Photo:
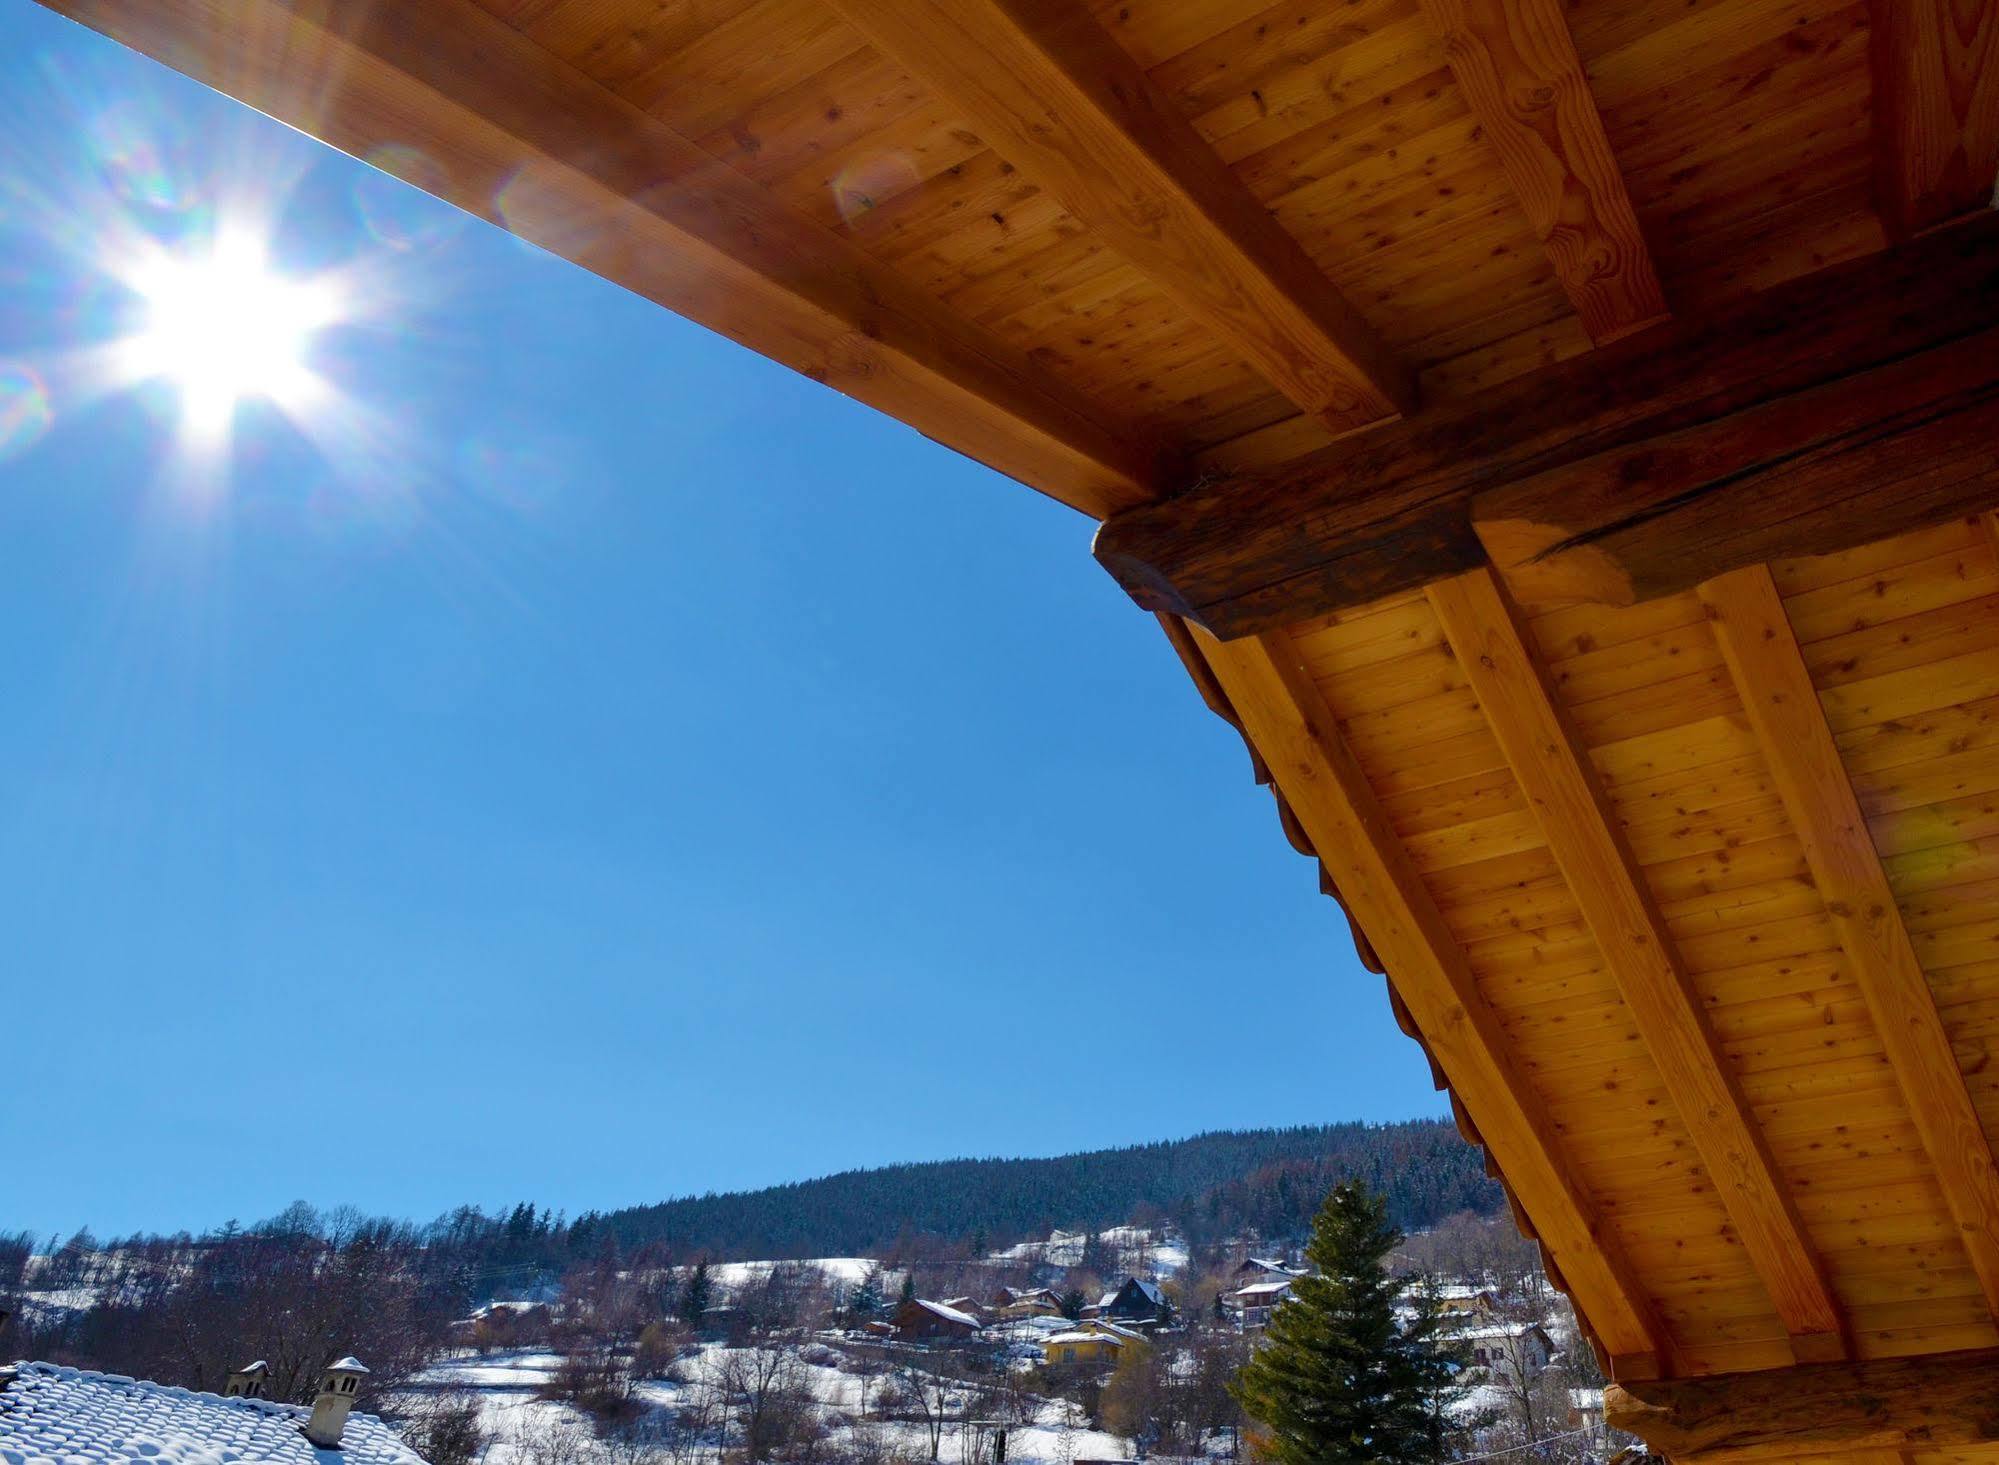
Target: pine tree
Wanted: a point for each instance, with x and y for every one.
(694, 1299)
(867, 1299)
(1338, 1380)
(909, 1285)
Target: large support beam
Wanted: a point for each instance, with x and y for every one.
(1936, 109)
(1937, 1403)
(1848, 405)
(1517, 64)
(1582, 831)
(1873, 455)
(1286, 720)
(1056, 96)
(520, 137)
(1784, 710)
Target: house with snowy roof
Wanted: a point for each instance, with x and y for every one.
(1136, 1300)
(1021, 1302)
(1253, 1304)
(1256, 1269)
(503, 1325)
(919, 1318)
(50, 1414)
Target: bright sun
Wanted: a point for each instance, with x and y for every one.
(222, 325)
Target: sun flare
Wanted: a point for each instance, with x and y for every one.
(222, 325)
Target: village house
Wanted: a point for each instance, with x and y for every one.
(1082, 1346)
(1135, 1300)
(922, 1320)
(1462, 1300)
(971, 1307)
(503, 1325)
(1012, 1304)
(1505, 1347)
(48, 1412)
(1253, 1305)
(1256, 1269)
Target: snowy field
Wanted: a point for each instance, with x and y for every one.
(521, 1424)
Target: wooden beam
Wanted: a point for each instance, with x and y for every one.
(1282, 713)
(1517, 65)
(1783, 708)
(1583, 834)
(1936, 110)
(525, 140)
(1939, 1402)
(1877, 454)
(1753, 394)
(1057, 97)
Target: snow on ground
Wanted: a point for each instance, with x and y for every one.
(1161, 1254)
(505, 1382)
(846, 1270)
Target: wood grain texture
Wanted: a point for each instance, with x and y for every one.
(1280, 710)
(1912, 443)
(1392, 510)
(1058, 98)
(1517, 64)
(526, 140)
(1828, 1411)
(1568, 805)
(1783, 707)
(1936, 109)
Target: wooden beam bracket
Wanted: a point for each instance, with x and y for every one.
(1854, 403)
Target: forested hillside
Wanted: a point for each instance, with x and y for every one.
(1267, 1181)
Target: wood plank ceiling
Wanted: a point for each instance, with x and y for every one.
(1684, 865)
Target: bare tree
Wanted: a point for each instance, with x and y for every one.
(445, 1427)
(766, 1388)
(930, 1395)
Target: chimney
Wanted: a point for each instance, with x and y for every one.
(336, 1400)
(247, 1382)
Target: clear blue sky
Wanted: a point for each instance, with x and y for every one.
(594, 764)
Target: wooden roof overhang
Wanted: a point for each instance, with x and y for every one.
(1558, 433)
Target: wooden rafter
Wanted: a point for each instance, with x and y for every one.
(1568, 804)
(1517, 64)
(1057, 97)
(1281, 712)
(1852, 404)
(1783, 707)
(1832, 1411)
(523, 138)
(1936, 109)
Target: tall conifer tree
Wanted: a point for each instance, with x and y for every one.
(1339, 1379)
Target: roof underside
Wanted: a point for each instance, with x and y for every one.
(1714, 979)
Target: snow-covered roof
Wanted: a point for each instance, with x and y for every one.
(1266, 1289)
(492, 1308)
(1103, 1325)
(1106, 1337)
(951, 1314)
(69, 1416)
(349, 1364)
(1267, 1265)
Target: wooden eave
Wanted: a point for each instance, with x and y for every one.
(1532, 444)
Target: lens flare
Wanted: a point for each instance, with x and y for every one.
(866, 184)
(221, 325)
(393, 210)
(25, 413)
